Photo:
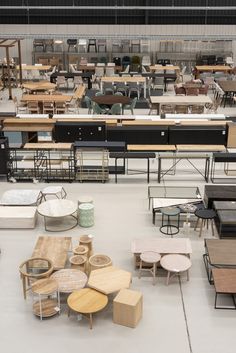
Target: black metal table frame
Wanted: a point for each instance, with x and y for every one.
(208, 266)
(169, 225)
(225, 307)
(226, 161)
(178, 158)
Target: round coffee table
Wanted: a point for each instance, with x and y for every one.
(69, 280)
(176, 264)
(58, 209)
(87, 301)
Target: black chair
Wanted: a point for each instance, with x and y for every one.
(211, 60)
(126, 61)
(92, 43)
(160, 61)
(220, 60)
(117, 61)
(72, 44)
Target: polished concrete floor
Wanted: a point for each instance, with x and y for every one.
(177, 318)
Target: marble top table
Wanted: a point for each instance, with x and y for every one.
(23, 197)
(69, 280)
(58, 209)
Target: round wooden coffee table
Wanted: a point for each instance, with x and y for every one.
(58, 209)
(87, 301)
(69, 280)
(176, 264)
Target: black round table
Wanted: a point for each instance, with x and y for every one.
(205, 215)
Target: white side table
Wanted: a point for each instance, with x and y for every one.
(176, 264)
(150, 257)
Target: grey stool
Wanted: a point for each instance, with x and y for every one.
(205, 215)
(169, 214)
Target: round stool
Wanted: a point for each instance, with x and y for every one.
(85, 199)
(86, 215)
(204, 215)
(149, 257)
(176, 264)
(78, 262)
(87, 240)
(98, 261)
(81, 250)
(167, 226)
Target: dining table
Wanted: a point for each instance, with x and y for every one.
(39, 86)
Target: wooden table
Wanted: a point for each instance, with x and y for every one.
(48, 146)
(211, 68)
(219, 253)
(179, 100)
(110, 99)
(39, 86)
(145, 148)
(161, 246)
(125, 79)
(69, 280)
(46, 98)
(34, 67)
(53, 248)
(200, 148)
(29, 124)
(225, 283)
(164, 68)
(87, 301)
(109, 279)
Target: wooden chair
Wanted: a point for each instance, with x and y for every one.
(33, 107)
(181, 109)
(197, 109)
(167, 109)
(48, 107)
(60, 107)
(192, 91)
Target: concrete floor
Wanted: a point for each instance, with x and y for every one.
(179, 318)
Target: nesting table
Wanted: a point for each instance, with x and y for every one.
(58, 210)
(225, 283)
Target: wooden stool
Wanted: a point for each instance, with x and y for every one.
(204, 215)
(87, 240)
(98, 261)
(78, 262)
(81, 250)
(150, 257)
(127, 308)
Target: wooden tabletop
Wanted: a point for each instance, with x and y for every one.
(28, 124)
(46, 98)
(201, 99)
(92, 68)
(109, 279)
(151, 147)
(162, 67)
(39, 86)
(111, 99)
(224, 280)
(53, 248)
(69, 280)
(87, 301)
(228, 86)
(205, 148)
(221, 251)
(213, 68)
(34, 67)
(44, 286)
(162, 246)
(48, 146)
(123, 79)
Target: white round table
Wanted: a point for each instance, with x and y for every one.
(176, 264)
(58, 210)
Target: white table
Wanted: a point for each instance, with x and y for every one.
(58, 210)
(179, 100)
(176, 264)
(21, 197)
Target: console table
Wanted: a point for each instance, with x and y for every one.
(225, 158)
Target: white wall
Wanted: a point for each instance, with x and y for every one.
(150, 31)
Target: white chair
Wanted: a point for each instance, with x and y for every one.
(111, 64)
(146, 60)
(110, 71)
(229, 61)
(61, 81)
(100, 64)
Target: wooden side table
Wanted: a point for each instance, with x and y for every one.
(175, 264)
(50, 305)
(87, 301)
(127, 308)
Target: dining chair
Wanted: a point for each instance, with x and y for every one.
(134, 87)
(60, 107)
(130, 106)
(116, 109)
(97, 109)
(48, 107)
(33, 107)
(88, 103)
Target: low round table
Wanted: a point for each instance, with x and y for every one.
(150, 257)
(58, 209)
(87, 301)
(69, 280)
(176, 264)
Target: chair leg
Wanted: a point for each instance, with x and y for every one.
(212, 227)
(200, 233)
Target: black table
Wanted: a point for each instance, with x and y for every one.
(219, 193)
(133, 155)
(86, 75)
(225, 220)
(225, 158)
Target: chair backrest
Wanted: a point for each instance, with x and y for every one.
(134, 101)
(96, 108)
(192, 91)
(197, 109)
(181, 109)
(111, 64)
(165, 108)
(100, 64)
(110, 71)
(115, 109)
(179, 90)
(78, 80)
(61, 79)
(99, 94)
(118, 94)
(88, 102)
(99, 71)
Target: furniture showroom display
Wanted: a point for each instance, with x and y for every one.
(225, 218)
(224, 283)
(69, 280)
(175, 264)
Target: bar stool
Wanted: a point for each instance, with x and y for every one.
(92, 43)
(150, 257)
(205, 215)
(167, 226)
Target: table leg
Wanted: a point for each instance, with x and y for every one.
(148, 170)
(159, 170)
(116, 170)
(90, 321)
(168, 278)
(145, 89)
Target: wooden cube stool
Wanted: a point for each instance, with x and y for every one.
(127, 308)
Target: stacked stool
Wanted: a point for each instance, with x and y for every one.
(87, 241)
(149, 257)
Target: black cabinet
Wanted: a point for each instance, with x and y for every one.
(142, 134)
(4, 156)
(74, 131)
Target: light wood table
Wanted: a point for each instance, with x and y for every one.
(211, 68)
(109, 279)
(146, 148)
(164, 68)
(125, 79)
(179, 100)
(39, 86)
(29, 124)
(34, 67)
(48, 146)
(200, 148)
(175, 264)
(69, 280)
(46, 98)
(53, 248)
(87, 301)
